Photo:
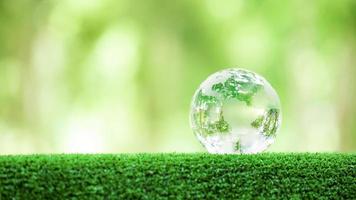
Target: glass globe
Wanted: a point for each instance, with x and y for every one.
(235, 111)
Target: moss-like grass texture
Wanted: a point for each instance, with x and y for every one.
(178, 176)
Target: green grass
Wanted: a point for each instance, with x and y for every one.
(178, 176)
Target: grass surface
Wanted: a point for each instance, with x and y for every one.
(178, 176)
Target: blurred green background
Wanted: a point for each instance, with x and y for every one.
(118, 76)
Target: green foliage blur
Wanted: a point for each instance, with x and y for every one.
(118, 76)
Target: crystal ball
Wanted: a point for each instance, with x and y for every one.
(235, 111)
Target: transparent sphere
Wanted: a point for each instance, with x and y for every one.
(235, 111)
